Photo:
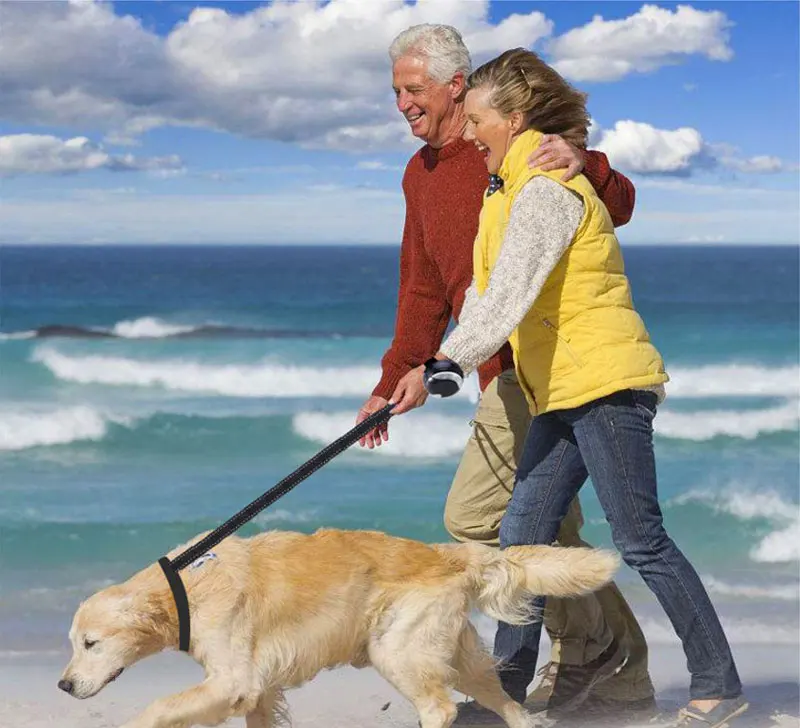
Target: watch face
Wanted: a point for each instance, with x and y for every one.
(444, 387)
(443, 383)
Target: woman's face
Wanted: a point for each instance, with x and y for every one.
(491, 132)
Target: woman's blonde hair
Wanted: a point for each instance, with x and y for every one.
(518, 80)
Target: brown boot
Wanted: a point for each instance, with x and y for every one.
(563, 688)
(619, 712)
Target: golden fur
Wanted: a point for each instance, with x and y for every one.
(271, 611)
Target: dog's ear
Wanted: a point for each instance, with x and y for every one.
(123, 601)
(154, 616)
(113, 600)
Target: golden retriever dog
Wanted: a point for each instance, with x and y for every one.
(269, 612)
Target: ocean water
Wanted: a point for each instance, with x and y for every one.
(148, 393)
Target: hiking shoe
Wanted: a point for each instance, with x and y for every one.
(565, 687)
(621, 711)
(719, 717)
(538, 698)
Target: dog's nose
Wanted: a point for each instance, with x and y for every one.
(66, 685)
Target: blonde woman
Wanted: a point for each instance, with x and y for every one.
(549, 278)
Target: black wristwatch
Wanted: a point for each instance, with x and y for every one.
(442, 377)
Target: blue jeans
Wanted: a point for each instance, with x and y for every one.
(611, 440)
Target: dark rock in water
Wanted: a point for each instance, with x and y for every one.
(76, 332)
(200, 332)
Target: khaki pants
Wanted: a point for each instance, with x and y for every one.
(580, 629)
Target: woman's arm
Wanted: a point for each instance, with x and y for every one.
(470, 299)
(543, 222)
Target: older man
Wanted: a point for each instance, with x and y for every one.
(599, 655)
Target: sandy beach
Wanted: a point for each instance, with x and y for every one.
(349, 698)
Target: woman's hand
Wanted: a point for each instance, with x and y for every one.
(410, 392)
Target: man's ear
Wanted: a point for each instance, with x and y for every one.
(458, 86)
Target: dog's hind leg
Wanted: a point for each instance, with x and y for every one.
(415, 657)
(478, 678)
(270, 712)
(427, 691)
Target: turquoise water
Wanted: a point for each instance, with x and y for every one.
(189, 380)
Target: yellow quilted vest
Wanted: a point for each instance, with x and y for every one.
(582, 339)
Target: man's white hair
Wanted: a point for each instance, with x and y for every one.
(440, 45)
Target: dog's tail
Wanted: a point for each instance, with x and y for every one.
(506, 580)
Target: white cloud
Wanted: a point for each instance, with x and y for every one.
(512, 32)
(375, 165)
(309, 73)
(759, 164)
(706, 239)
(45, 154)
(595, 134)
(694, 189)
(607, 50)
(638, 147)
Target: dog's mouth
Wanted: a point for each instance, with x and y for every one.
(81, 694)
(114, 676)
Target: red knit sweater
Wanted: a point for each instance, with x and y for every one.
(443, 189)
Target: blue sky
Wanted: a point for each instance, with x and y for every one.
(186, 122)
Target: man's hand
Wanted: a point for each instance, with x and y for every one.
(410, 392)
(380, 434)
(556, 153)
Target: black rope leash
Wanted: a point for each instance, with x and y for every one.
(250, 511)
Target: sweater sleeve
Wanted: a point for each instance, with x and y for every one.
(543, 222)
(614, 189)
(422, 308)
(470, 298)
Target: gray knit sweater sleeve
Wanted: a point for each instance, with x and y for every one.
(470, 299)
(544, 219)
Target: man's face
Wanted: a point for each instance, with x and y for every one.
(428, 106)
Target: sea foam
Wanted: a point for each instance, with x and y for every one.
(731, 380)
(746, 424)
(263, 379)
(782, 544)
(149, 327)
(25, 428)
(415, 435)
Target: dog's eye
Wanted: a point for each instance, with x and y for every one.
(88, 644)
